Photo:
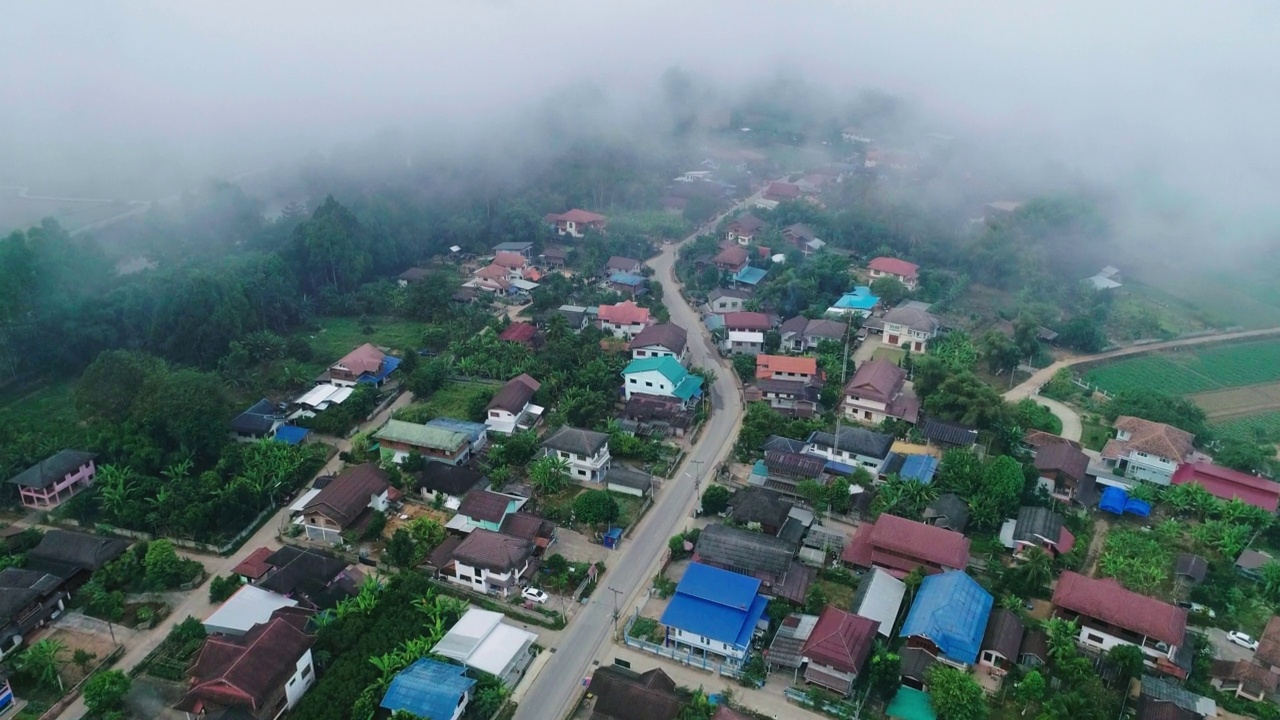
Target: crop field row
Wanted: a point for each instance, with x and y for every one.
(1221, 405)
(1261, 427)
(1190, 372)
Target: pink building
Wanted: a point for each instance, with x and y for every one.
(56, 479)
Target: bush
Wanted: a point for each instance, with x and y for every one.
(716, 500)
(595, 507)
(221, 588)
(377, 523)
(104, 693)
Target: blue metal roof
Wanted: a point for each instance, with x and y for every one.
(750, 275)
(919, 468)
(859, 298)
(714, 322)
(951, 610)
(840, 468)
(389, 364)
(717, 604)
(474, 430)
(623, 278)
(291, 434)
(428, 689)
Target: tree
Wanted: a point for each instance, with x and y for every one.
(223, 587)
(745, 367)
(891, 291)
(549, 474)
(377, 523)
(1000, 352)
(1127, 660)
(104, 693)
(715, 499)
(999, 494)
(960, 471)
(164, 569)
(966, 399)
(1244, 455)
(1036, 570)
(816, 601)
(885, 673)
(110, 385)
(400, 550)
(956, 351)
(1030, 690)
(1083, 333)
(955, 694)
(41, 662)
(595, 507)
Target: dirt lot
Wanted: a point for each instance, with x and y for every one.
(1236, 402)
(75, 640)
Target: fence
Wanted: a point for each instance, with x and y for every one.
(648, 503)
(488, 602)
(837, 709)
(687, 656)
(230, 546)
(1089, 388)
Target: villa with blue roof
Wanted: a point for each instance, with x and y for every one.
(430, 689)
(662, 377)
(628, 283)
(366, 364)
(716, 611)
(948, 618)
(859, 301)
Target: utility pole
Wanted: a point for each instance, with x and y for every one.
(697, 472)
(616, 592)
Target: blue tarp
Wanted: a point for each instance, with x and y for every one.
(919, 468)
(291, 434)
(1113, 500)
(629, 279)
(951, 610)
(717, 604)
(428, 689)
(389, 364)
(1141, 508)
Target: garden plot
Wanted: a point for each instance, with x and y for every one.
(1222, 405)
(1190, 372)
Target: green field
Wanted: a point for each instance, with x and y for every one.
(47, 411)
(453, 400)
(1190, 372)
(338, 336)
(1264, 426)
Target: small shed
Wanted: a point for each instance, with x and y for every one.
(613, 538)
(1190, 568)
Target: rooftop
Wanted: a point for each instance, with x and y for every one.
(744, 550)
(745, 320)
(948, 433)
(245, 670)
(623, 694)
(841, 640)
(515, 394)
(1004, 634)
(348, 494)
(717, 604)
(365, 359)
(52, 469)
(894, 266)
(448, 479)
(482, 641)
(665, 335)
(485, 505)
(519, 332)
(249, 606)
(951, 610)
(423, 436)
(494, 551)
(576, 440)
(624, 313)
(1063, 457)
(428, 689)
(879, 597)
(877, 380)
(1230, 484)
(912, 317)
(768, 365)
(917, 540)
(1155, 438)
(64, 553)
(1108, 601)
(858, 441)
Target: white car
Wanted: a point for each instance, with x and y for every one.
(536, 595)
(1242, 640)
(1199, 609)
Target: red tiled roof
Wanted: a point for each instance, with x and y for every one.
(364, 359)
(1107, 601)
(1155, 438)
(747, 321)
(582, 217)
(492, 272)
(767, 365)
(508, 259)
(925, 543)
(894, 266)
(733, 256)
(878, 380)
(841, 639)
(255, 565)
(1040, 439)
(624, 313)
(520, 332)
(1269, 644)
(1226, 483)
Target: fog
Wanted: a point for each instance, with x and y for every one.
(1170, 103)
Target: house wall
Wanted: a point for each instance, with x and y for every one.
(519, 663)
(727, 305)
(586, 468)
(875, 465)
(704, 643)
(486, 581)
(650, 382)
(398, 452)
(993, 661)
(909, 282)
(304, 676)
(1150, 468)
(1098, 636)
(1235, 687)
(653, 351)
(61, 491)
(321, 529)
(828, 670)
(626, 331)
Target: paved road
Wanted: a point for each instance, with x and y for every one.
(1224, 649)
(558, 684)
(1071, 427)
(197, 602)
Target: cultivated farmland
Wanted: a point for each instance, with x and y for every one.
(1264, 426)
(1190, 372)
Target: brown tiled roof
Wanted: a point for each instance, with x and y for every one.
(515, 394)
(245, 671)
(624, 313)
(576, 440)
(1107, 601)
(1256, 679)
(1062, 457)
(733, 256)
(1155, 438)
(767, 365)
(255, 564)
(343, 499)
(493, 551)
(841, 639)
(1269, 644)
(667, 335)
(1004, 634)
(484, 505)
(1040, 439)
(754, 504)
(364, 359)
(624, 264)
(747, 321)
(625, 695)
(519, 332)
(789, 463)
(508, 259)
(527, 526)
(1150, 708)
(912, 317)
(747, 223)
(877, 380)
(581, 217)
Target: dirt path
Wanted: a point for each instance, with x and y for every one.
(1101, 526)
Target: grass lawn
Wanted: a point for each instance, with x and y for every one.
(629, 507)
(453, 400)
(838, 595)
(48, 409)
(1093, 433)
(887, 353)
(338, 336)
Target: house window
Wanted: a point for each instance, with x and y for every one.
(1096, 639)
(648, 384)
(582, 473)
(633, 381)
(306, 672)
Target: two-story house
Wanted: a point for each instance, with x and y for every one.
(767, 558)
(745, 331)
(903, 545)
(511, 408)
(484, 510)
(345, 501)
(1063, 470)
(56, 479)
(855, 447)
(1146, 450)
(837, 648)
(576, 223)
(727, 300)
(623, 320)
(663, 340)
(801, 334)
(491, 562)
(743, 229)
(789, 384)
(28, 600)
(716, 611)
(365, 364)
(909, 326)
(878, 392)
(731, 259)
(663, 377)
(904, 272)
(620, 264)
(1111, 615)
(587, 452)
(398, 439)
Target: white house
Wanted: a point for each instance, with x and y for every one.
(910, 327)
(512, 409)
(727, 300)
(1147, 451)
(744, 342)
(716, 611)
(481, 641)
(490, 562)
(623, 320)
(340, 503)
(665, 340)
(586, 452)
(856, 447)
(663, 377)
(1109, 615)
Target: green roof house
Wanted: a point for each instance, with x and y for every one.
(662, 377)
(398, 439)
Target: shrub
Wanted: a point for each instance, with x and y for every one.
(104, 693)
(221, 588)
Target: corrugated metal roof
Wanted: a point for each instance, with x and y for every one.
(951, 610)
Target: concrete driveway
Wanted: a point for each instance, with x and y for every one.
(1224, 649)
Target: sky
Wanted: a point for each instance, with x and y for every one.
(1174, 99)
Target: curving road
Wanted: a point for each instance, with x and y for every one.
(1071, 427)
(558, 685)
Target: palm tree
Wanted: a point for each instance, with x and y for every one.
(1037, 568)
(549, 474)
(42, 660)
(557, 328)
(1062, 638)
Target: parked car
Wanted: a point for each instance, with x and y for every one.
(1242, 639)
(1199, 609)
(536, 595)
